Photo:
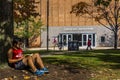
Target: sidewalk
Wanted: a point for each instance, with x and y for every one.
(65, 48)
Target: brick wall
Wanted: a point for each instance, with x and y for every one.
(59, 14)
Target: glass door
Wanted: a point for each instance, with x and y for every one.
(81, 38)
(84, 39)
(64, 39)
(90, 37)
(70, 37)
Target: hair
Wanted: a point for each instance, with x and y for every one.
(16, 41)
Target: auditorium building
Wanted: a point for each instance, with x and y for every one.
(66, 27)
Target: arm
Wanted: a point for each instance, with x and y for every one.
(10, 60)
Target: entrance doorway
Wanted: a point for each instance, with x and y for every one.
(66, 38)
(82, 38)
(85, 38)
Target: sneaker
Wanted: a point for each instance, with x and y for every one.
(45, 70)
(39, 72)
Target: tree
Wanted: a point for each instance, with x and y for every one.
(6, 28)
(23, 11)
(102, 11)
(33, 25)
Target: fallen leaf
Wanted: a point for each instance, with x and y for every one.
(35, 78)
(10, 78)
(26, 77)
(5, 79)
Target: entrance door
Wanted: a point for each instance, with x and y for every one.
(81, 38)
(66, 38)
(70, 37)
(90, 37)
(85, 38)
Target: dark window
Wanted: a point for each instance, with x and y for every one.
(93, 39)
(64, 40)
(84, 40)
(102, 39)
(75, 37)
(69, 38)
(80, 39)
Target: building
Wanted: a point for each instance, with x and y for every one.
(68, 27)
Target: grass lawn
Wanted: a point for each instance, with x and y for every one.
(103, 64)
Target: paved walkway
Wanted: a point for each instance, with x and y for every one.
(65, 48)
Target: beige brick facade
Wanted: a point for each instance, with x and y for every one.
(59, 14)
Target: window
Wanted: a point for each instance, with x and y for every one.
(93, 39)
(102, 39)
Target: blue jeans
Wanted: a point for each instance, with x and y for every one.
(20, 65)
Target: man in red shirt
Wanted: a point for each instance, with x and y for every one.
(89, 44)
(19, 61)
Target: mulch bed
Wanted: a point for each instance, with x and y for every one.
(57, 72)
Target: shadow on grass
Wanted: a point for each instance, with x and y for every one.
(107, 51)
(112, 59)
(104, 51)
(108, 55)
(105, 56)
(116, 66)
(72, 67)
(57, 61)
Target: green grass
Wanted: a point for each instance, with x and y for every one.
(103, 64)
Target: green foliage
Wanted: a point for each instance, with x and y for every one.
(29, 28)
(26, 18)
(24, 9)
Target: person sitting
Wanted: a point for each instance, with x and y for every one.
(20, 62)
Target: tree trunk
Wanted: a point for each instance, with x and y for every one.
(27, 38)
(6, 28)
(27, 42)
(115, 40)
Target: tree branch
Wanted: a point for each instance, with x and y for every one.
(108, 19)
(105, 26)
(111, 10)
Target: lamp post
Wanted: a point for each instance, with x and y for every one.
(47, 25)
